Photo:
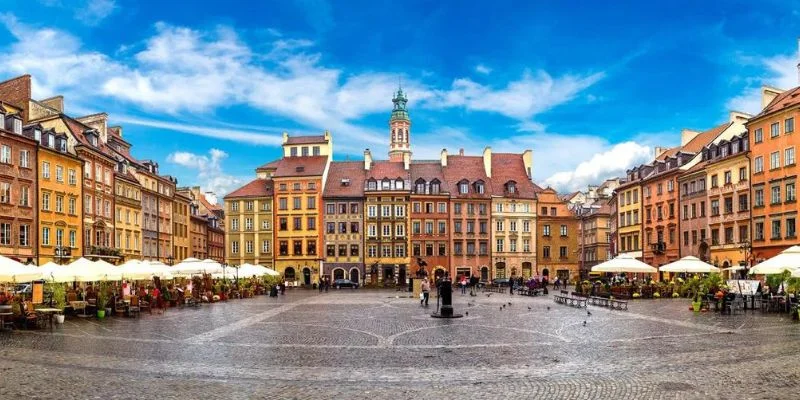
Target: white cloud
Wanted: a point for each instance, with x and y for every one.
(251, 135)
(779, 71)
(210, 175)
(482, 69)
(609, 162)
(95, 11)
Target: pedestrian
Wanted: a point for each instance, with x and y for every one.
(426, 292)
(321, 283)
(555, 284)
(283, 287)
(327, 284)
(511, 285)
(473, 283)
(463, 284)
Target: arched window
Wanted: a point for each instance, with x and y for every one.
(435, 185)
(463, 187)
(479, 188)
(420, 186)
(511, 187)
(393, 135)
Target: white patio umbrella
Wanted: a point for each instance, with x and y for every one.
(246, 270)
(139, 270)
(212, 267)
(187, 267)
(624, 263)
(15, 271)
(787, 260)
(689, 264)
(85, 270)
(271, 272)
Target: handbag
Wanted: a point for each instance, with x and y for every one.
(422, 296)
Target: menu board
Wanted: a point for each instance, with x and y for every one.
(37, 293)
(742, 286)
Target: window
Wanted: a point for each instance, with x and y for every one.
(297, 203)
(353, 208)
(429, 228)
(387, 230)
(776, 229)
(73, 236)
(282, 224)
(714, 207)
(442, 208)
(775, 194)
(46, 201)
(758, 135)
(788, 125)
(562, 252)
(790, 228)
(24, 196)
(759, 198)
(729, 205)
(5, 155)
(457, 208)
(265, 246)
(297, 247)
(354, 250)
(372, 211)
(788, 156)
(24, 159)
(248, 247)
(248, 224)
(24, 235)
(729, 235)
(343, 208)
(742, 174)
(60, 204)
(546, 251)
(298, 223)
(372, 230)
(499, 245)
(563, 230)
(45, 170)
(758, 164)
(743, 233)
(790, 192)
(372, 250)
(774, 130)
(758, 231)
(714, 182)
(386, 211)
(46, 236)
(774, 160)
(546, 230)
(399, 211)
(670, 185)
(311, 203)
(282, 204)
(728, 177)
(342, 250)
(235, 247)
(400, 230)
(743, 206)
(443, 227)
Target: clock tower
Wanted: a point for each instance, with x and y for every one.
(399, 128)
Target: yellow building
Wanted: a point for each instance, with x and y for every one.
(629, 216)
(128, 202)
(180, 226)
(60, 215)
(298, 181)
(249, 224)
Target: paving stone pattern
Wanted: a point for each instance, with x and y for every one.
(354, 344)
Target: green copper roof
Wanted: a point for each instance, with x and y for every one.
(399, 112)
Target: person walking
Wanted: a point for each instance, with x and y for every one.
(473, 285)
(511, 285)
(426, 292)
(463, 284)
(327, 284)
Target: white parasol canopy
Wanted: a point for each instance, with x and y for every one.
(15, 271)
(787, 260)
(689, 264)
(624, 263)
(139, 270)
(85, 270)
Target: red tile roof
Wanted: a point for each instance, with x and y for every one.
(511, 167)
(469, 168)
(306, 139)
(208, 206)
(255, 188)
(339, 170)
(127, 176)
(429, 171)
(77, 130)
(270, 165)
(537, 188)
(387, 169)
(704, 138)
(301, 166)
(786, 99)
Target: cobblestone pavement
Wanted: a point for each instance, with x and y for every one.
(354, 344)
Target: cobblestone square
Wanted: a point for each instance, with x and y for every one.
(353, 344)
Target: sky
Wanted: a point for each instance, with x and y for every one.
(207, 88)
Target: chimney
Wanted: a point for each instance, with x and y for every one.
(659, 151)
(487, 161)
(406, 160)
(461, 151)
(444, 157)
(768, 94)
(687, 135)
(285, 137)
(56, 103)
(527, 159)
(367, 160)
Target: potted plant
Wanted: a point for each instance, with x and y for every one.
(698, 293)
(102, 300)
(59, 300)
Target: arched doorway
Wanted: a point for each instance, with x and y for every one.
(484, 274)
(401, 276)
(354, 275)
(500, 270)
(546, 272)
(527, 269)
(438, 273)
(288, 274)
(307, 276)
(338, 273)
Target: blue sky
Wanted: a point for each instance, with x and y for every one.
(207, 89)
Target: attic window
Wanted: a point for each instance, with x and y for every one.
(511, 187)
(299, 169)
(17, 128)
(37, 134)
(463, 187)
(62, 145)
(345, 182)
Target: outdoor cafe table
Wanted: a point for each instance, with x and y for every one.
(79, 305)
(49, 312)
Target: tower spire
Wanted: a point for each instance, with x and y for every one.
(399, 126)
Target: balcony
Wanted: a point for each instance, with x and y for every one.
(659, 247)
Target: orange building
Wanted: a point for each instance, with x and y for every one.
(774, 172)
(556, 237)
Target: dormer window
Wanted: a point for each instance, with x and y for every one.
(372, 184)
(17, 125)
(511, 187)
(386, 184)
(62, 145)
(435, 185)
(37, 134)
(398, 184)
(420, 186)
(479, 187)
(51, 141)
(463, 187)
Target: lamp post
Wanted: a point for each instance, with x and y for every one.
(746, 248)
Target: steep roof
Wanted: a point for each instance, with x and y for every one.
(704, 138)
(469, 168)
(313, 139)
(387, 169)
(270, 165)
(301, 166)
(511, 167)
(428, 171)
(208, 206)
(255, 188)
(786, 99)
(353, 171)
(77, 130)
